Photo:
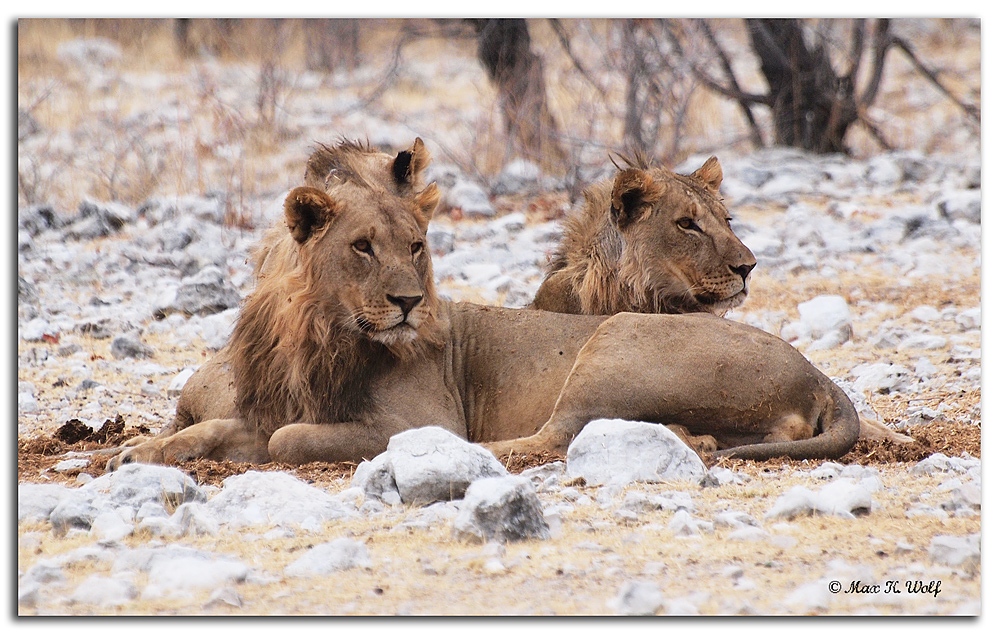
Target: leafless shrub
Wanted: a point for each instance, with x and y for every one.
(332, 44)
(128, 168)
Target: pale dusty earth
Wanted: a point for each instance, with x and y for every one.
(596, 551)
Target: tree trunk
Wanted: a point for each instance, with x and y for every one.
(504, 50)
(812, 108)
(332, 44)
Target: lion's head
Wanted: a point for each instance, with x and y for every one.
(651, 241)
(348, 280)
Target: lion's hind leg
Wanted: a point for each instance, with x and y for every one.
(790, 428)
(702, 445)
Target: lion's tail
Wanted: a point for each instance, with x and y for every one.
(840, 428)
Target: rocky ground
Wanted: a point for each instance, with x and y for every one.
(870, 266)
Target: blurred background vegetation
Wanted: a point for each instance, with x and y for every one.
(126, 108)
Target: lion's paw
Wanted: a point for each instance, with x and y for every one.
(150, 451)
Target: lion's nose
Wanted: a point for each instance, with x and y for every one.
(405, 303)
(743, 270)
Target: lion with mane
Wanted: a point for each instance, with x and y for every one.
(344, 343)
(649, 241)
(653, 241)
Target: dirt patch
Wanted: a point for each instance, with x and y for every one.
(37, 456)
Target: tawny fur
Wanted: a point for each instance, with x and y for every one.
(624, 250)
(344, 344)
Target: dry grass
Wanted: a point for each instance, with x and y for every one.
(157, 122)
(227, 126)
(425, 571)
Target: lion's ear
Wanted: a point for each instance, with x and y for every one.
(634, 190)
(408, 164)
(306, 209)
(426, 204)
(710, 174)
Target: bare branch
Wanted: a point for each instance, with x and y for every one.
(882, 41)
(405, 37)
(563, 39)
(856, 49)
(708, 81)
(747, 111)
(875, 132)
(971, 110)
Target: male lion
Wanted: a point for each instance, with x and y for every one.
(653, 241)
(649, 241)
(345, 343)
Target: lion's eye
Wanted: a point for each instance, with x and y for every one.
(416, 248)
(363, 246)
(687, 224)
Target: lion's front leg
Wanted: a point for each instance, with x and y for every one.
(218, 439)
(329, 442)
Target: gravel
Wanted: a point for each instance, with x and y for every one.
(118, 303)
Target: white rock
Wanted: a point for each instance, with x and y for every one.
(734, 519)
(36, 329)
(971, 318)
(78, 509)
(272, 498)
(133, 485)
(618, 451)
(105, 591)
(826, 471)
(951, 550)
(727, 476)
(686, 525)
(216, 329)
(110, 527)
(440, 238)
(940, 463)
(35, 502)
(827, 319)
(884, 171)
(518, 176)
(844, 498)
(175, 572)
(224, 596)
(471, 199)
(925, 369)
(637, 598)
(548, 476)
(26, 403)
(195, 519)
(882, 378)
(925, 314)
(923, 342)
(510, 223)
(502, 509)
(430, 464)
(748, 534)
(325, 559)
(809, 596)
(798, 500)
(375, 478)
(965, 204)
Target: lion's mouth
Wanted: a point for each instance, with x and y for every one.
(400, 331)
(716, 305)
